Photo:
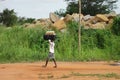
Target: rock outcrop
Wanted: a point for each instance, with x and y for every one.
(99, 21)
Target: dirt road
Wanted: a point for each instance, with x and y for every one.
(64, 71)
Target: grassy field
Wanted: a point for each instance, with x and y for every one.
(18, 44)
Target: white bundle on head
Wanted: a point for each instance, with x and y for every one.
(50, 33)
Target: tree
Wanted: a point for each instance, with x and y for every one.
(60, 12)
(8, 17)
(116, 26)
(91, 7)
(22, 20)
(72, 7)
(94, 7)
(0, 17)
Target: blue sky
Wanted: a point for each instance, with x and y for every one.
(35, 8)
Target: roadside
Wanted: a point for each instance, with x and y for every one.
(64, 71)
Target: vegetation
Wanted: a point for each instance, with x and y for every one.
(23, 20)
(19, 44)
(116, 26)
(91, 7)
(108, 75)
(8, 17)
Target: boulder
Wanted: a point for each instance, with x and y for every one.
(87, 17)
(92, 20)
(60, 24)
(87, 26)
(43, 22)
(76, 17)
(111, 15)
(53, 17)
(102, 18)
(68, 18)
(31, 26)
(110, 21)
(99, 25)
(26, 24)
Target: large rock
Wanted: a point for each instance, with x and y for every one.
(31, 26)
(87, 17)
(92, 20)
(102, 17)
(53, 17)
(87, 26)
(99, 25)
(68, 18)
(111, 15)
(26, 24)
(60, 24)
(110, 21)
(76, 17)
(43, 22)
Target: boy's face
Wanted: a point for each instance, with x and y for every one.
(52, 40)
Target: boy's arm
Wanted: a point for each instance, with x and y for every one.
(49, 41)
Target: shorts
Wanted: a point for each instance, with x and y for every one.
(51, 55)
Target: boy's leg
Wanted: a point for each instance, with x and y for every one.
(54, 62)
(46, 62)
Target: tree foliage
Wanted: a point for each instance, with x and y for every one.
(22, 20)
(8, 17)
(61, 12)
(91, 7)
(116, 26)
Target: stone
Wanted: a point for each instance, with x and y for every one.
(68, 18)
(26, 24)
(111, 15)
(92, 20)
(99, 25)
(102, 17)
(76, 17)
(87, 17)
(60, 24)
(53, 17)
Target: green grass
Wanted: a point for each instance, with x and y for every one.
(100, 76)
(108, 75)
(18, 44)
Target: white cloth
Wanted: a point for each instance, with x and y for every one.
(51, 46)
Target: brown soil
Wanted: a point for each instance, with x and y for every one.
(64, 71)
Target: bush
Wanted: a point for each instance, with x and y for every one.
(8, 17)
(21, 44)
(116, 26)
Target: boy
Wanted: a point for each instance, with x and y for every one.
(51, 53)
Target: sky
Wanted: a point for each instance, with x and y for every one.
(36, 8)
(33, 8)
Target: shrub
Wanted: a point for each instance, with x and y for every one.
(116, 26)
(8, 17)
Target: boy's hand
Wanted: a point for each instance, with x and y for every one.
(49, 40)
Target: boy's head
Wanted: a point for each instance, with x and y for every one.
(52, 40)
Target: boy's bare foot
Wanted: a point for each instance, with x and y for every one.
(44, 66)
(55, 66)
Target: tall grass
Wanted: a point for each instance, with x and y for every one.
(18, 44)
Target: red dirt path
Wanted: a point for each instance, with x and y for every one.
(64, 71)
